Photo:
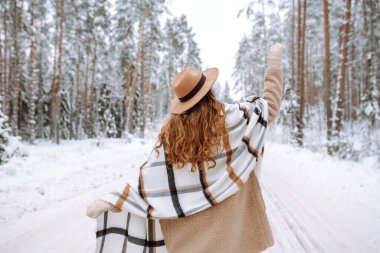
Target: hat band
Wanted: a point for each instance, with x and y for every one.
(194, 90)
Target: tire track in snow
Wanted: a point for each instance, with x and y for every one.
(303, 240)
(299, 222)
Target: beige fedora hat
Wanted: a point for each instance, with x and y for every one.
(190, 86)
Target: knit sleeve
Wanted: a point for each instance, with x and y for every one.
(273, 87)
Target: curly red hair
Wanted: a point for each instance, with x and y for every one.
(196, 135)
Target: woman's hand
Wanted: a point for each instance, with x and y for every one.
(274, 55)
(98, 207)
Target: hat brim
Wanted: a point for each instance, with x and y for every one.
(177, 107)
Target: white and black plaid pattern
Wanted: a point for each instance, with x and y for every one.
(161, 191)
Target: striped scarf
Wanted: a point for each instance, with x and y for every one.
(161, 191)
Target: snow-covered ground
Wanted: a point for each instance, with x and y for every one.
(314, 203)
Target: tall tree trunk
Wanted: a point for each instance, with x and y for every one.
(366, 50)
(92, 94)
(127, 79)
(376, 42)
(148, 100)
(140, 45)
(299, 133)
(20, 72)
(292, 45)
(17, 64)
(302, 78)
(306, 73)
(85, 90)
(327, 73)
(348, 96)
(5, 91)
(40, 107)
(342, 74)
(59, 79)
(299, 18)
(71, 110)
(54, 82)
(92, 91)
(305, 78)
(1, 71)
(354, 84)
(77, 97)
(32, 106)
(1, 60)
(142, 91)
(293, 80)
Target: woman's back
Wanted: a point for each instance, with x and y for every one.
(239, 223)
(201, 186)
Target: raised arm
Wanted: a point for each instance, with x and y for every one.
(273, 85)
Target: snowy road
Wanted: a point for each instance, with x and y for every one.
(314, 203)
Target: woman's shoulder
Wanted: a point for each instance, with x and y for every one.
(244, 109)
(234, 114)
(248, 103)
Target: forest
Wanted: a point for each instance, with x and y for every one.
(102, 69)
(331, 71)
(82, 69)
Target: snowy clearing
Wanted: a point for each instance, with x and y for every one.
(314, 203)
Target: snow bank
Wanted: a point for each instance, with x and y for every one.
(52, 173)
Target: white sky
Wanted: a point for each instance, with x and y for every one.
(217, 31)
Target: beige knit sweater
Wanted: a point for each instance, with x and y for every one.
(273, 91)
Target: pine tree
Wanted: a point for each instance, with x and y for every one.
(101, 26)
(343, 68)
(327, 72)
(9, 145)
(5, 85)
(135, 94)
(42, 43)
(5, 132)
(308, 67)
(57, 113)
(31, 104)
(124, 45)
(300, 70)
(17, 73)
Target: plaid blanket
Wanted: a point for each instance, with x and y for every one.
(160, 191)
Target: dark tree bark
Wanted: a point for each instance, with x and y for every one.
(140, 45)
(327, 72)
(5, 90)
(292, 45)
(85, 89)
(342, 74)
(92, 87)
(40, 99)
(300, 70)
(31, 81)
(77, 97)
(54, 82)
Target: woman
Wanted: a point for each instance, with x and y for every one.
(210, 201)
